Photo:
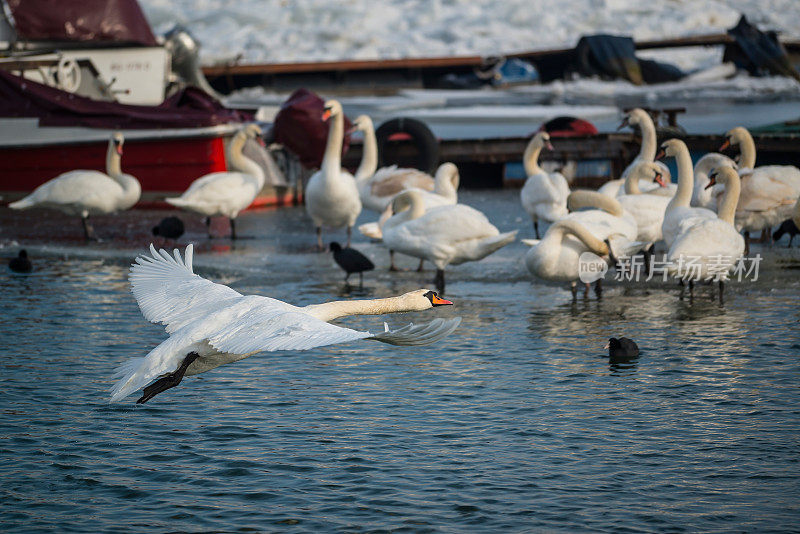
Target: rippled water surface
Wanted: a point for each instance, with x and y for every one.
(517, 422)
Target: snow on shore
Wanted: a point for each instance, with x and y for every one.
(317, 30)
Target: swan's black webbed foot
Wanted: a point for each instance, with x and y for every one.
(169, 381)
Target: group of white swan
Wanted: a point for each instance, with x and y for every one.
(698, 220)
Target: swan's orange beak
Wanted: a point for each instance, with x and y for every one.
(712, 181)
(661, 154)
(660, 180)
(436, 300)
(326, 114)
(549, 145)
(623, 124)
(725, 145)
(119, 148)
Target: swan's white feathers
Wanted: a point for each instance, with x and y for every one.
(168, 292)
(420, 334)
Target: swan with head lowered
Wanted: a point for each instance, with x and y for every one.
(648, 209)
(86, 192)
(679, 214)
(638, 117)
(605, 230)
(226, 193)
(703, 196)
(445, 193)
(211, 324)
(377, 187)
(768, 192)
(711, 247)
(331, 196)
(544, 195)
(447, 235)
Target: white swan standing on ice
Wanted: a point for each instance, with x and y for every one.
(605, 231)
(447, 235)
(226, 193)
(768, 192)
(85, 192)
(711, 247)
(647, 152)
(679, 214)
(377, 187)
(211, 324)
(331, 196)
(544, 195)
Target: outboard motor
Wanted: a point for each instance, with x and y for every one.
(185, 51)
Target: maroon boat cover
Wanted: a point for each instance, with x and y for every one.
(188, 108)
(115, 21)
(299, 126)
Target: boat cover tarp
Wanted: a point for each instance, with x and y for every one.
(608, 57)
(300, 128)
(760, 53)
(188, 108)
(107, 21)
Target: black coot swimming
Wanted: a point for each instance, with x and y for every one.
(21, 264)
(622, 349)
(169, 227)
(351, 261)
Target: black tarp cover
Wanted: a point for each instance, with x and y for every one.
(110, 21)
(188, 108)
(758, 52)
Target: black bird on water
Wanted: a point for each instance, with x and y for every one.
(786, 227)
(21, 264)
(170, 228)
(622, 349)
(351, 260)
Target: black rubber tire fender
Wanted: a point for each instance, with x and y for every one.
(426, 143)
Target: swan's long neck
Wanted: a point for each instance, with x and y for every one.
(131, 188)
(113, 161)
(730, 199)
(342, 308)
(332, 160)
(369, 156)
(683, 195)
(592, 199)
(530, 159)
(446, 183)
(578, 230)
(748, 149)
(647, 152)
(242, 163)
(632, 184)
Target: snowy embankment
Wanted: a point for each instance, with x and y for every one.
(315, 30)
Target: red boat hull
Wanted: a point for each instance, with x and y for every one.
(164, 167)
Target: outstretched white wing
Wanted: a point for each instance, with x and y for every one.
(168, 292)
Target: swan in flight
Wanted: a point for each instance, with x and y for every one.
(447, 235)
(226, 193)
(211, 324)
(85, 192)
(332, 198)
(647, 152)
(544, 195)
(377, 187)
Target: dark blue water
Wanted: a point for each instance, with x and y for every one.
(518, 422)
